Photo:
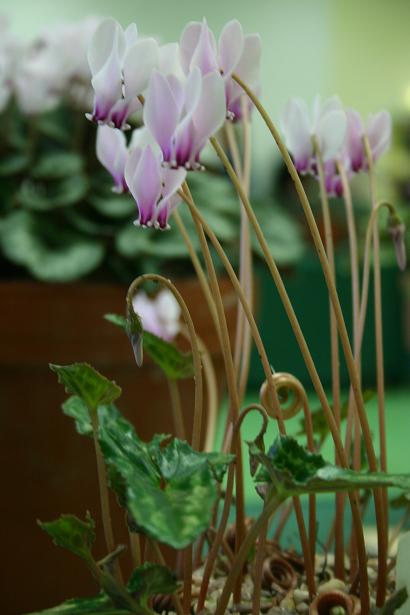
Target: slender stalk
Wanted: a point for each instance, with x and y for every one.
(381, 591)
(104, 494)
(135, 548)
(241, 555)
(257, 577)
(352, 416)
(309, 361)
(231, 379)
(177, 416)
(212, 394)
(243, 334)
(211, 557)
(198, 270)
(335, 360)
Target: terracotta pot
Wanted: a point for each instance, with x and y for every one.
(51, 469)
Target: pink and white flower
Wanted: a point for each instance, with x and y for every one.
(112, 152)
(378, 131)
(121, 64)
(327, 122)
(234, 53)
(160, 315)
(153, 186)
(181, 115)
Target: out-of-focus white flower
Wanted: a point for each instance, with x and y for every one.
(9, 49)
(378, 131)
(160, 315)
(327, 122)
(54, 66)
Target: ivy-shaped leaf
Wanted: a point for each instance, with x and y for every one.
(73, 534)
(170, 489)
(75, 408)
(149, 580)
(289, 469)
(84, 381)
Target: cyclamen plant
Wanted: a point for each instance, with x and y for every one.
(171, 489)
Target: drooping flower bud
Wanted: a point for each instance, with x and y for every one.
(397, 231)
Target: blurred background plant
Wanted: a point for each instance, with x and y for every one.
(60, 220)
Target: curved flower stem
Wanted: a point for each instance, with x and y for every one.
(199, 271)
(231, 380)
(272, 397)
(352, 415)
(335, 360)
(177, 415)
(381, 591)
(196, 435)
(243, 334)
(242, 554)
(104, 494)
(308, 361)
(135, 546)
(212, 393)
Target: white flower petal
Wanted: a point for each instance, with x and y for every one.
(296, 128)
(210, 113)
(161, 112)
(331, 133)
(188, 42)
(139, 62)
(231, 46)
(378, 130)
(106, 36)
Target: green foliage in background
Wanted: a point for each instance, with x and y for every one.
(60, 220)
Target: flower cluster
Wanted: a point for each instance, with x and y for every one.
(52, 67)
(339, 134)
(187, 91)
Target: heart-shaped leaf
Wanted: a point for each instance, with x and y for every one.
(73, 534)
(149, 580)
(84, 381)
(170, 489)
(289, 469)
(75, 408)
